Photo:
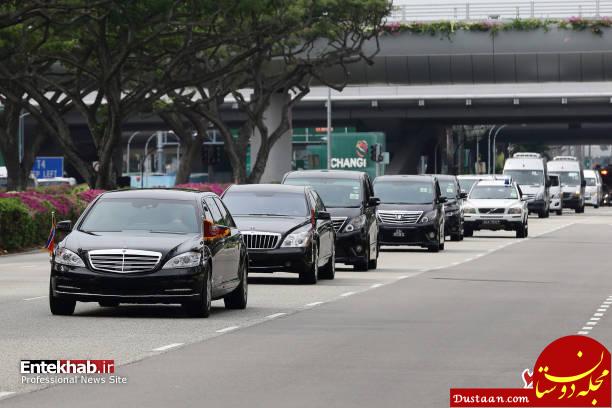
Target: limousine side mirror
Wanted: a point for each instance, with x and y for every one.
(463, 194)
(323, 215)
(373, 201)
(64, 226)
(583, 183)
(524, 198)
(548, 183)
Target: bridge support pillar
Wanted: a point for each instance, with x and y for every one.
(279, 159)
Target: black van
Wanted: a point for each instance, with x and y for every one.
(349, 198)
(450, 188)
(411, 211)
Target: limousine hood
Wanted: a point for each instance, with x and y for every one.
(78, 241)
(277, 224)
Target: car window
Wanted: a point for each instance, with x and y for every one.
(271, 203)
(335, 192)
(142, 214)
(217, 217)
(227, 218)
(405, 191)
(494, 192)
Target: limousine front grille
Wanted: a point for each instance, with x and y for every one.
(399, 217)
(123, 260)
(338, 223)
(260, 240)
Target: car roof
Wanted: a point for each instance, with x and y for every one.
(156, 193)
(348, 174)
(475, 176)
(268, 188)
(445, 176)
(494, 183)
(406, 177)
(589, 172)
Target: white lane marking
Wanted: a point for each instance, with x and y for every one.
(314, 304)
(602, 310)
(598, 314)
(168, 347)
(594, 318)
(347, 294)
(35, 298)
(4, 394)
(583, 332)
(376, 285)
(607, 303)
(227, 329)
(587, 328)
(31, 266)
(591, 323)
(604, 306)
(401, 277)
(275, 315)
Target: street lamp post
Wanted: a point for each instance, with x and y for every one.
(21, 136)
(494, 148)
(329, 141)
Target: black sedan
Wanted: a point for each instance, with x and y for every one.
(151, 246)
(286, 228)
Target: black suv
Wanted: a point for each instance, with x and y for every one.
(411, 211)
(349, 197)
(150, 246)
(286, 228)
(450, 188)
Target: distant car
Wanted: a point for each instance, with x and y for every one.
(349, 197)
(150, 246)
(453, 211)
(593, 190)
(529, 171)
(286, 228)
(556, 194)
(573, 184)
(57, 181)
(32, 182)
(411, 211)
(466, 181)
(496, 205)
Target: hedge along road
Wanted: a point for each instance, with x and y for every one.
(129, 333)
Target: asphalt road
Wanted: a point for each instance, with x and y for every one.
(474, 315)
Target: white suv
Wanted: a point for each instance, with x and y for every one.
(496, 205)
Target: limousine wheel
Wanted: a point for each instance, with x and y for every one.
(201, 307)
(239, 296)
(310, 272)
(61, 307)
(329, 270)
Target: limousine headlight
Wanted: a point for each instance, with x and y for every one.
(184, 260)
(298, 238)
(355, 223)
(65, 256)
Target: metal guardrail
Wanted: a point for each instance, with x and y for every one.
(502, 10)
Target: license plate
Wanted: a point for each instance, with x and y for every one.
(491, 222)
(399, 234)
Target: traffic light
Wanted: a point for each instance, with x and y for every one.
(376, 152)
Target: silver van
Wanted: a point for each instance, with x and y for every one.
(572, 180)
(529, 171)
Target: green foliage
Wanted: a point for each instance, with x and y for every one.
(18, 228)
(447, 28)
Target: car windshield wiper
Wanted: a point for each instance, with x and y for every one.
(264, 215)
(168, 232)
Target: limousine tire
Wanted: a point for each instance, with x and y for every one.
(60, 307)
(201, 307)
(238, 298)
(310, 271)
(329, 270)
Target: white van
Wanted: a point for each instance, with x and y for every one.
(572, 181)
(529, 171)
(556, 200)
(593, 190)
